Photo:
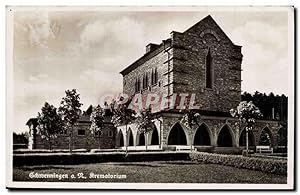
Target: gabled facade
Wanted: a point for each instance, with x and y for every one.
(201, 60)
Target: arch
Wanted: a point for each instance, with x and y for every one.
(225, 137)
(154, 137)
(266, 137)
(211, 32)
(120, 139)
(242, 139)
(177, 135)
(141, 141)
(202, 136)
(130, 136)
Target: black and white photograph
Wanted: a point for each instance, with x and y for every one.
(150, 97)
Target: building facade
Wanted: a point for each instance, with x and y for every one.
(203, 61)
(82, 136)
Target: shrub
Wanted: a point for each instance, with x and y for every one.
(31, 159)
(275, 166)
(36, 151)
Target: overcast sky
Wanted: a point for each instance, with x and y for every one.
(55, 51)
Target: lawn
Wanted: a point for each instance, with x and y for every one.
(150, 172)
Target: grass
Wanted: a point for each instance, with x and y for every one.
(153, 172)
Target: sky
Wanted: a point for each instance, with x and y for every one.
(58, 50)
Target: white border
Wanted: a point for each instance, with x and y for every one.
(68, 185)
(291, 95)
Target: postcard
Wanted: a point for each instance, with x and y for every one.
(196, 98)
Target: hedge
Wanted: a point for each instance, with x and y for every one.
(86, 158)
(275, 166)
(28, 151)
(270, 165)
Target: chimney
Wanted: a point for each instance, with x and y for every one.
(151, 47)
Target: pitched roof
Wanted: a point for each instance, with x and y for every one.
(142, 59)
(31, 121)
(84, 118)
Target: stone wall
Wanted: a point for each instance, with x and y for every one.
(190, 49)
(157, 61)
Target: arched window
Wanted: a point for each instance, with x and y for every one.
(121, 139)
(141, 139)
(202, 136)
(130, 142)
(177, 136)
(154, 139)
(137, 85)
(265, 137)
(224, 138)
(242, 141)
(209, 71)
(146, 82)
(152, 77)
(155, 76)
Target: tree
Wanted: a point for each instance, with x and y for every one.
(49, 123)
(266, 104)
(282, 135)
(247, 113)
(265, 139)
(97, 119)
(122, 115)
(190, 119)
(70, 112)
(145, 123)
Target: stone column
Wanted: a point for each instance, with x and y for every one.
(214, 138)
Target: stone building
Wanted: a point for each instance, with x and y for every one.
(82, 139)
(201, 60)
